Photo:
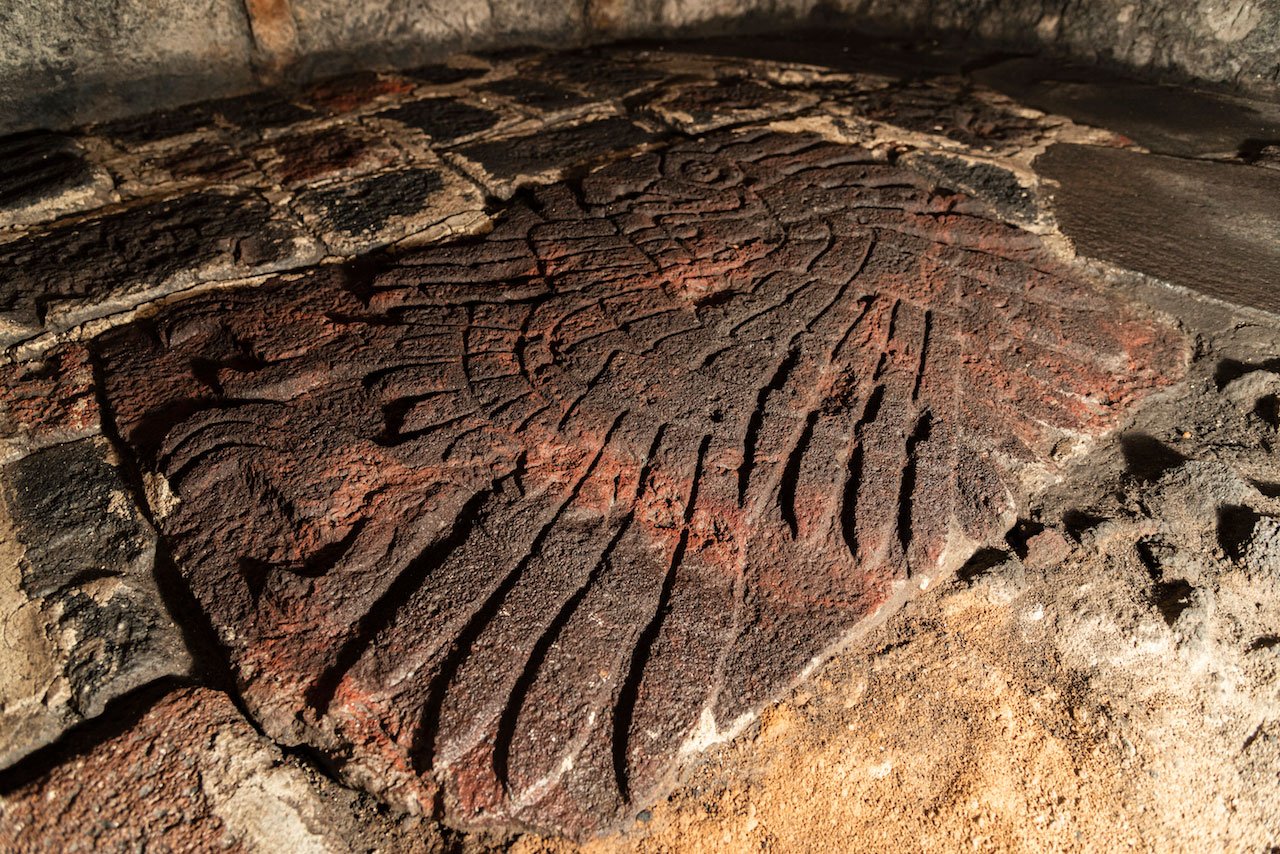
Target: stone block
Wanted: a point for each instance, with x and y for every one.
(82, 619)
(422, 203)
(191, 774)
(503, 165)
(45, 175)
(47, 400)
(72, 271)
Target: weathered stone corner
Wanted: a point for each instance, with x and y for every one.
(82, 619)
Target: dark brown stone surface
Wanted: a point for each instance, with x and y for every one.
(211, 159)
(704, 106)
(513, 527)
(538, 94)
(501, 164)
(603, 73)
(49, 399)
(152, 127)
(1211, 227)
(277, 179)
(191, 774)
(43, 175)
(1173, 120)
(444, 74)
(75, 270)
(998, 187)
(444, 119)
(365, 205)
(316, 154)
(373, 210)
(93, 803)
(345, 94)
(944, 106)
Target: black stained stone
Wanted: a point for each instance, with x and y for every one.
(65, 504)
(504, 54)
(443, 75)
(606, 76)
(705, 103)
(504, 159)
(443, 119)
(260, 111)
(366, 205)
(536, 93)
(137, 248)
(160, 125)
(996, 186)
(250, 112)
(64, 489)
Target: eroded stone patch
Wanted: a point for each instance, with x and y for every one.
(80, 616)
(192, 775)
(513, 527)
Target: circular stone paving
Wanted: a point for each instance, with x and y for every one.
(510, 528)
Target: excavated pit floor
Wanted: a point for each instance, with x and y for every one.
(656, 447)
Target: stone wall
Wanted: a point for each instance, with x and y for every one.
(1236, 42)
(67, 62)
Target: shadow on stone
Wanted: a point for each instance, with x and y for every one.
(1077, 521)
(1233, 369)
(1172, 598)
(1146, 457)
(982, 562)
(1020, 533)
(1235, 527)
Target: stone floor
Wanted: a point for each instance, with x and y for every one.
(542, 448)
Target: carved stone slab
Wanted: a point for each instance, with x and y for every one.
(513, 527)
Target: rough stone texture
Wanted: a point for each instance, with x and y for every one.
(397, 33)
(116, 57)
(502, 165)
(1231, 41)
(944, 107)
(67, 62)
(1112, 689)
(445, 120)
(426, 203)
(43, 175)
(1212, 227)
(328, 152)
(599, 72)
(513, 527)
(1165, 119)
(714, 104)
(81, 618)
(192, 775)
(47, 400)
(1011, 199)
(72, 271)
(278, 179)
